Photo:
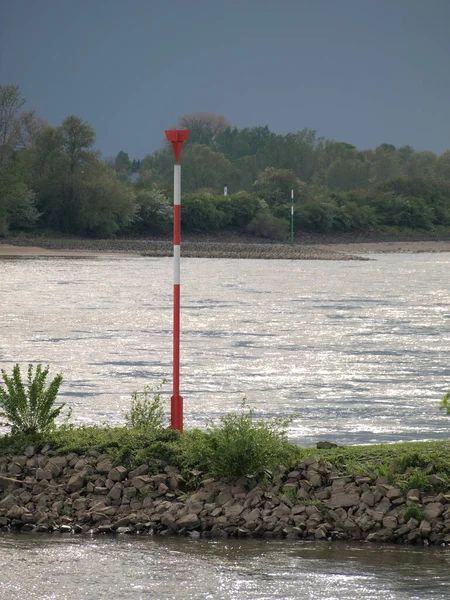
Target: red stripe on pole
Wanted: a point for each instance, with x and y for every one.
(177, 224)
(176, 403)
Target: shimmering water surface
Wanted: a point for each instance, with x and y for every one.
(47, 568)
(359, 349)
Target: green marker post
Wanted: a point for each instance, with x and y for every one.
(292, 215)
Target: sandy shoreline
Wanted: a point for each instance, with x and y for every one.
(117, 248)
(11, 250)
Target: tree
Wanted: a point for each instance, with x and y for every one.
(384, 164)
(204, 168)
(421, 164)
(350, 174)
(77, 139)
(17, 201)
(77, 192)
(10, 125)
(275, 185)
(122, 162)
(204, 127)
(443, 166)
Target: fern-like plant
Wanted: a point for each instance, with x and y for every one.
(29, 408)
(445, 403)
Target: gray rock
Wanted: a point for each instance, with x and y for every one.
(8, 502)
(117, 474)
(368, 498)
(433, 510)
(44, 474)
(324, 445)
(382, 535)
(320, 533)
(115, 493)
(14, 468)
(140, 481)
(190, 521)
(141, 470)
(75, 483)
(343, 500)
(425, 528)
(393, 493)
(130, 492)
(234, 511)
(104, 466)
(124, 530)
(30, 451)
(390, 523)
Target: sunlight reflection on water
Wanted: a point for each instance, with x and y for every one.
(358, 349)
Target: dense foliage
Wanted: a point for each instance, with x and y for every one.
(52, 178)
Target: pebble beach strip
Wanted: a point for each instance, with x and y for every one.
(192, 249)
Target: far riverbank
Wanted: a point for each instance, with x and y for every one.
(309, 248)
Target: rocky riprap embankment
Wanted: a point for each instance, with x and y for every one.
(192, 249)
(81, 494)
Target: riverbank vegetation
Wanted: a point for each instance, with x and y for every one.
(407, 465)
(53, 179)
(240, 477)
(237, 445)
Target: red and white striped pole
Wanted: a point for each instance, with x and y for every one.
(176, 137)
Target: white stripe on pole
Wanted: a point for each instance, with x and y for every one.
(177, 202)
(292, 194)
(176, 265)
(177, 184)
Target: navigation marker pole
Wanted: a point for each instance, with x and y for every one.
(292, 216)
(176, 137)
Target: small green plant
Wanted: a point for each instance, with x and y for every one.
(410, 460)
(445, 403)
(30, 408)
(290, 492)
(417, 480)
(146, 411)
(413, 511)
(312, 502)
(239, 445)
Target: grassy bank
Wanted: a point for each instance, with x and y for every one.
(411, 465)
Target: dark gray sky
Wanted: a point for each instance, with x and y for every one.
(360, 71)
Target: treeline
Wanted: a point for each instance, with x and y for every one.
(52, 178)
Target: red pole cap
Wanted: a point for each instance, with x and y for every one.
(176, 137)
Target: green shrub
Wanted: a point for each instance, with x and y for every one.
(411, 460)
(268, 226)
(154, 212)
(30, 409)
(413, 511)
(146, 411)
(204, 212)
(239, 445)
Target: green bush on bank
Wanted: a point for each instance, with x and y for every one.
(239, 445)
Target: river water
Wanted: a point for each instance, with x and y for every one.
(359, 349)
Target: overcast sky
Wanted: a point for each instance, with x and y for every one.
(360, 71)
